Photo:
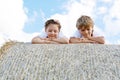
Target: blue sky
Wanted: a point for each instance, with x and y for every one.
(21, 20)
(44, 8)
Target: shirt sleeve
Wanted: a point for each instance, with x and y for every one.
(76, 34)
(43, 34)
(61, 35)
(96, 34)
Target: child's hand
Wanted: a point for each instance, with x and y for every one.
(86, 40)
(48, 39)
(52, 42)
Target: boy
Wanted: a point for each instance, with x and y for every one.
(85, 33)
(51, 35)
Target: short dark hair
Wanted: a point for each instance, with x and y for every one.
(52, 21)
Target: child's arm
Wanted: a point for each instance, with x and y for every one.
(60, 40)
(80, 40)
(74, 40)
(38, 40)
(99, 39)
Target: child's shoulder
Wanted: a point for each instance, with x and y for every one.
(76, 34)
(97, 33)
(62, 35)
(42, 34)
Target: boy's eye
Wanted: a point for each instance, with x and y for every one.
(82, 30)
(55, 31)
(88, 29)
(50, 31)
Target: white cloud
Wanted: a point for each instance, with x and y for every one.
(111, 16)
(115, 9)
(75, 9)
(32, 18)
(112, 19)
(102, 10)
(12, 20)
(118, 42)
(42, 14)
(106, 1)
(13, 17)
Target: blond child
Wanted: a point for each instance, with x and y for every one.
(51, 35)
(85, 32)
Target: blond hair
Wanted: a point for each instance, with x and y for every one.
(84, 21)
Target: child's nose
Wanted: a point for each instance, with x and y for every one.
(86, 31)
(52, 32)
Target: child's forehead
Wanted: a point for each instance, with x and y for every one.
(52, 26)
(86, 27)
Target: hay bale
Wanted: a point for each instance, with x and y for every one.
(61, 62)
(6, 46)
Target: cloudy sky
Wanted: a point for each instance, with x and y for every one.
(21, 20)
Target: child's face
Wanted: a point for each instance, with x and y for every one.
(86, 32)
(52, 31)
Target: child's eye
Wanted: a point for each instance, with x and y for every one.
(82, 30)
(50, 30)
(88, 29)
(55, 31)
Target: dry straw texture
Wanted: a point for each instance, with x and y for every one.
(61, 62)
(6, 46)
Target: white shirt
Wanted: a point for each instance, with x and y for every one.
(78, 35)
